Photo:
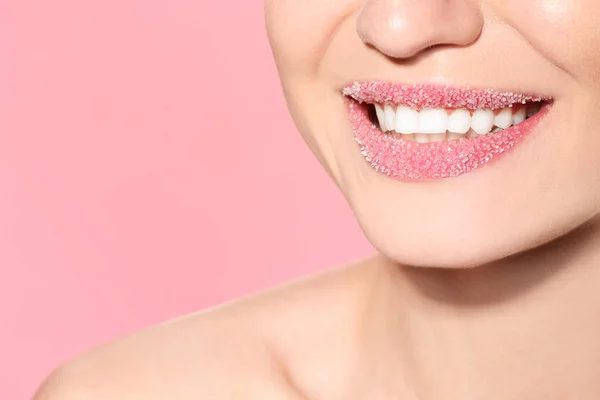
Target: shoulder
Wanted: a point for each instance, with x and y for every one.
(207, 356)
(196, 357)
(231, 352)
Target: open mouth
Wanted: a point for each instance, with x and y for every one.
(440, 124)
(418, 132)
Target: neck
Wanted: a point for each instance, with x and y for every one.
(523, 327)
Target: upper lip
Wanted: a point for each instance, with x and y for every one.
(436, 96)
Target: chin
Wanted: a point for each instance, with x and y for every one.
(463, 224)
(437, 240)
(404, 239)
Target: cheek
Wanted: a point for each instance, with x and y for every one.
(300, 31)
(566, 32)
(300, 34)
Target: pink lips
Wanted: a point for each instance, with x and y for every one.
(407, 160)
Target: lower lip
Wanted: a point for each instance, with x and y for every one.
(411, 161)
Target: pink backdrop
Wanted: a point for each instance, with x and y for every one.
(148, 169)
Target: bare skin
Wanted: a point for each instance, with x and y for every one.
(374, 330)
(486, 286)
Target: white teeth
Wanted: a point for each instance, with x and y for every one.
(482, 121)
(434, 120)
(459, 121)
(519, 116)
(436, 124)
(380, 117)
(504, 118)
(422, 137)
(407, 120)
(390, 117)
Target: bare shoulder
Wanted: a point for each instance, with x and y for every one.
(235, 351)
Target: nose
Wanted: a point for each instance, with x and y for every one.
(403, 28)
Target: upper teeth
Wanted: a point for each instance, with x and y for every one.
(405, 120)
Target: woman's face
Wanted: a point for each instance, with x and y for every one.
(495, 185)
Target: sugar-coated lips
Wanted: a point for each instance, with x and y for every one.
(397, 157)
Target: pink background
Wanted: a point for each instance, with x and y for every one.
(148, 169)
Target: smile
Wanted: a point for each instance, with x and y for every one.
(419, 132)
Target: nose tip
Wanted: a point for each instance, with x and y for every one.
(403, 28)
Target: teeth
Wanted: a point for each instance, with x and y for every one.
(504, 118)
(482, 121)
(390, 117)
(437, 124)
(433, 120)
(437, 137)
(459, 121)
(519, 116)
(380, 117)
(407, 120)
(454, 136)
(422, 137)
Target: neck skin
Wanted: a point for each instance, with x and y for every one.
(526, 327)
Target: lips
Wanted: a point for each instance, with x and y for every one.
(421, 141)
